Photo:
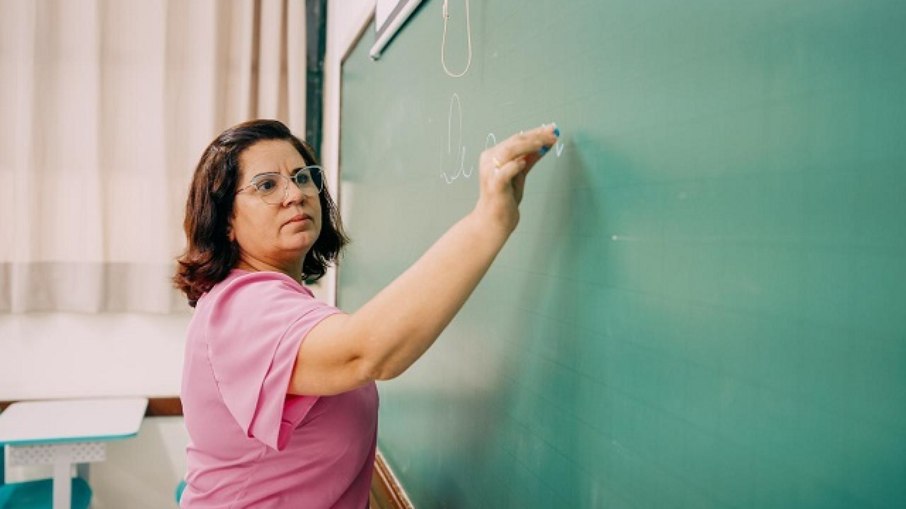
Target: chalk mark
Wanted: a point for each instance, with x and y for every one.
(455, 100)
(443, 43)
(489, 141)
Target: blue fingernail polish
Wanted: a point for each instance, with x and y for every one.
(557, 132)
(543, 150)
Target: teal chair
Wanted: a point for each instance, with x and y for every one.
(38, 494)
(179, 489)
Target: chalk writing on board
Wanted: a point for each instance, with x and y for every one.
(443, 43)
(489, 141)
(449, 177)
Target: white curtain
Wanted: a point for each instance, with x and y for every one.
(105, 108)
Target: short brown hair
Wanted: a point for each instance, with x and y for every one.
(210, 254)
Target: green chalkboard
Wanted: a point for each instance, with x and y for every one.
(704, 303)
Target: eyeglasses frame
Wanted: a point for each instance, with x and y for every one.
(286, 184)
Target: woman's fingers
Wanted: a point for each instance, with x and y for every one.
(531, 142)
(527, 146)
(508, 170)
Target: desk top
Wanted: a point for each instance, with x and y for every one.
(71, 420)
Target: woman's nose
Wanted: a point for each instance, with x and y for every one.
(292, 194)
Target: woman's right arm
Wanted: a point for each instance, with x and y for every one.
(393, 329)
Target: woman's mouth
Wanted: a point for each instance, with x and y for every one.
(298, 218)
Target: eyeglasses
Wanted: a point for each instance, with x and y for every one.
(309, 180)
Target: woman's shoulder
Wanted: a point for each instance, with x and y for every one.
(254, 286)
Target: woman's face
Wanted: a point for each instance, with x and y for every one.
(274, 236)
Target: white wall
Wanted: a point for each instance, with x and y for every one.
(142, 473)
(58, 355)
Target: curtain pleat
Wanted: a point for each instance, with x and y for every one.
(107, 106)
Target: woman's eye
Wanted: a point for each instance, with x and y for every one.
(266, 185)
(302, 178)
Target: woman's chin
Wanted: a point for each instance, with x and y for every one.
(300, 245)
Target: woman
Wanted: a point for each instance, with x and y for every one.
(278, 388)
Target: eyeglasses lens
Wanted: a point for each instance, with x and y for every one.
(272, 188)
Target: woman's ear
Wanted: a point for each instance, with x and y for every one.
(230, 234)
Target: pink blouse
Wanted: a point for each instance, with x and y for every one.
(251, 444)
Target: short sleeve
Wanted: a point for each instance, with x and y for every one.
(256, 323)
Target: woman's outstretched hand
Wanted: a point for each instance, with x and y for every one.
(503, 169)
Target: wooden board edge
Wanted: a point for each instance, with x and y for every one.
(166, 406)
(386, 490)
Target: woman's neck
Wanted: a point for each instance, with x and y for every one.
(260, 266)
